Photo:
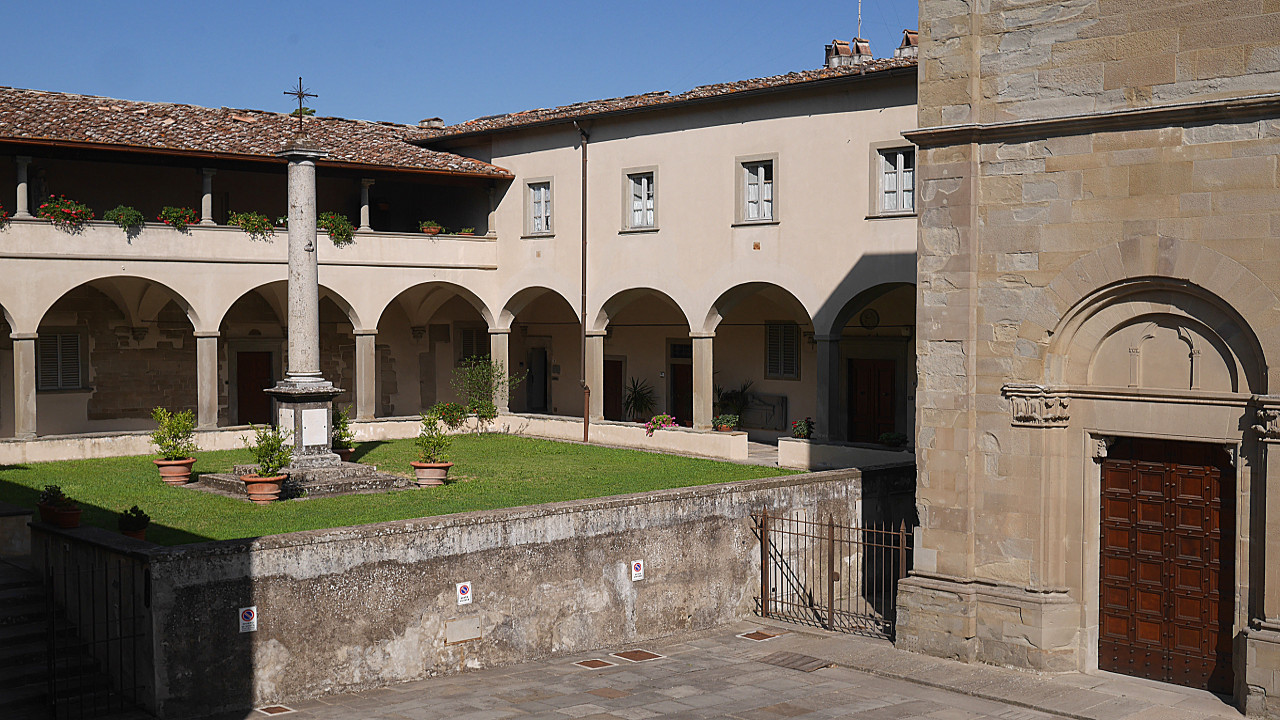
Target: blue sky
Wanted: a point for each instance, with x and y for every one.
(404, 61)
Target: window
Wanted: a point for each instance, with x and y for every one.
(58, 361)
(641, 187)
(473, 341)
(539, 215)
(757, 194)
(897, 181)
(782, 351)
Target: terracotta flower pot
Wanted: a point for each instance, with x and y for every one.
(175, 472)
(431, 230)
(263, 490)
(430, 474)
(724, 428)
(344, 453)
(135, 534)
(66, 518)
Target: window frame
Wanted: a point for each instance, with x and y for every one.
(795, 342)
(876, 184)
(741, 166)
(529, 185)
(482, 335)
(82, 359)
(628, 175)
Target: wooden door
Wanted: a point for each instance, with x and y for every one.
(872, 403)
(254, 373)
(1168, 563)
(613, 388)
(538, 382)
(682, 394)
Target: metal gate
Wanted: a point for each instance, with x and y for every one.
(97, 630)
(838, 577)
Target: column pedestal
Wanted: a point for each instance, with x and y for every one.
(305, 409)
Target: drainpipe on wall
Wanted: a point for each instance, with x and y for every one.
(582, 368)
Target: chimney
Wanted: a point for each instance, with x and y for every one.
(909, 46)
(842, 53)
(433, 122)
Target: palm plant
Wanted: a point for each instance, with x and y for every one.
(638, 399)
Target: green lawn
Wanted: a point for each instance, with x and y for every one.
(490, 471)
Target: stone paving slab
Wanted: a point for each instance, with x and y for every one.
(715, 674)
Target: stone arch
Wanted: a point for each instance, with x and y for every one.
(276, 293)
(137, 297)
(853, 306)
(623, 298)
(423, 299)
(1124, 316)
(735, 295)
(522, 298)
(1172, 263)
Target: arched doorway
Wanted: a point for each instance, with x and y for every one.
(544, 347)
(869, 354)
(646, 345)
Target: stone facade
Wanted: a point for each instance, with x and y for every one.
(1099, 215)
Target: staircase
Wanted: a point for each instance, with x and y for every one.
(82, 690)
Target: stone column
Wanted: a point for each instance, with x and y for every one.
(1262, 637)
(595, 372)
(704, 394)
(24, 385)
(23, 207)
(499, 352)
(304, 399)
(366, 374)
(206, 379)
(826, 420)
(206, 196)
(365, 183)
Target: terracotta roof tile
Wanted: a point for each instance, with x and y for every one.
(37, 115)
(565, 113)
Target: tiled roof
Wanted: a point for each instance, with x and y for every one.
(566, 113)
(37, 116)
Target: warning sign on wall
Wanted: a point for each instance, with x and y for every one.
(637, 570)
(464, 593)
(249, 619)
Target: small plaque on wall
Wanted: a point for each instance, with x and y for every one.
(315, 426)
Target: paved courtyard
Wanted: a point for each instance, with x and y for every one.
(796, 673)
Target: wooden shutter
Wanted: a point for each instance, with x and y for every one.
(58, 361)
(782, 351)
(47, 362)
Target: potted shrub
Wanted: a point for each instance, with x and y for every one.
(467, 231)
(133, 523)
(126, 218)
(893, 439)
(340, 229)
(725, 423)
(342, 439)
(174, 438)
(65, 214)
(256, 225)
(178, 218)
(638, 400)
(659, 422)
(271, 453)
(57, 509)
(431, 469)
(430, 227)
(802, 429)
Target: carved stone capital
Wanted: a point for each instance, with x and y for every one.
(1100, 445)
(1037, 405)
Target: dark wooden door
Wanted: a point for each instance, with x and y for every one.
(613, 389)
(1168, 563)
(871, 399)
(254, 373)
(682, 394)
(538, 382)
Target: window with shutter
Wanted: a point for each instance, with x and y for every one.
(473, 341)
(782, 351)
(642, 192)
(897, 180)
(758, 191)
(539, 207)
(58, 361)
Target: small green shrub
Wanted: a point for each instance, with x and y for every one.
(659, 422)
(53, 496)
(174, 436)
(270, 450)
(133, 519)
(340, 229)
(467, 231)
(426, 225)
(451, 414)
(638, 399)
(893, 439)
(727, 420)
(127, 218)
(432, 442)
(256, 225)
(482, 382)
(802, 429)
(342, 436)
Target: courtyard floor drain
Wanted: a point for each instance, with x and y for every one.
(758, 636)
(638, 655)
(795, 661)
(275, 710)
(594, 664)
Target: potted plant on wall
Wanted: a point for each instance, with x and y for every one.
(725, 423)
(802, 429)
(430, 227)
(342, 439)
(271, 453)
(431, 468)
(57, 509)
(467, 231)
(174, 438)
(133, 523)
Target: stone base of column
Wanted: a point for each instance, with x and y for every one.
(1258, 687)
(983, 622)
(305, 409)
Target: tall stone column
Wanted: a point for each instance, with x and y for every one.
(365, 183)
(1262, 646)
(704, 394)
(304, 399)
(500, 354)
(366, 374)
(595, 372)
(206, 379)
(22, 208)
(827, 421)
(24, 385)
(206, 196)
